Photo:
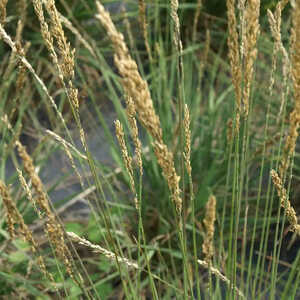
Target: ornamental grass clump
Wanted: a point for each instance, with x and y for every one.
(217, 112)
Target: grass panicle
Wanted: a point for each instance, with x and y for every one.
(126, 158)
(134, 86)
(275, 26)
(14, 217)
(64, 60)
(53, 227)
(66, 54)
(196, 18)
(175, 18)
(3, 4)
(166, 161)
(96, 248)
(217, 273)
(187, 135)
(131, 113)
(24, 61)
(250, 48)
(67, 146)
(209, 223)
(137, 88)
(294, 119)
(144, 27)
(285, 203)
(234, 58)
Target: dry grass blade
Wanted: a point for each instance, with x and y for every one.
(85, 193)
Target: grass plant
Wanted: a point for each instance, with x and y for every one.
(179, 136)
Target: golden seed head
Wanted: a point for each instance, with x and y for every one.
(209, 221)
(144, 26)
(131, 112)
(126, 157)
(285, 203)
(137, 89)
(166, 162)
(217, 273)
(53, 228)
(250, 49)
(187, 134)
(14, 217)
(133, 84)
(110, 255)
(3, 11)
(294, 119)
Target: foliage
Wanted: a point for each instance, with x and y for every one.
(174, 200)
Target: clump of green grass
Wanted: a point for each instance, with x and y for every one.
(201, 216)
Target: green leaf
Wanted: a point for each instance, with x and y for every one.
(17, 257)
(74, 227)
(104, 265)
(75, 291)
(104, 290)
(93, 235)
